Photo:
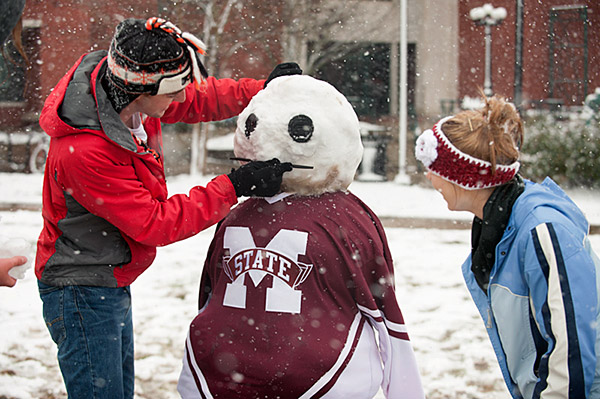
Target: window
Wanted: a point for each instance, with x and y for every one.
(12, 74)
(568, 54)
(362, 74)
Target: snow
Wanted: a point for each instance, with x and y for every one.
(451, 345)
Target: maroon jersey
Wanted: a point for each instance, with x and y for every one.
(292, 293)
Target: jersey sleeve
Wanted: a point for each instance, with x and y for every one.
(374, 285)
(210, 274)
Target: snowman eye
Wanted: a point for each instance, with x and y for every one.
(301, 128)
(251, 123)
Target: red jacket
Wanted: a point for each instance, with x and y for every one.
(105, 201)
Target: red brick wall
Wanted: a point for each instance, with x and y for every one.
(68, 29)
(72, 28)
(535, 80)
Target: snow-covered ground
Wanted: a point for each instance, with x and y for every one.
(452, 349)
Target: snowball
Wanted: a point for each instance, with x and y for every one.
(306, 121)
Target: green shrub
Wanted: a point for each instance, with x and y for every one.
(566, 149)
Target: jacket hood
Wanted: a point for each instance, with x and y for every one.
(79, 104)
(546, 196)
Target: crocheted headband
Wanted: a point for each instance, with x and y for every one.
(154, 57)
(441, 157)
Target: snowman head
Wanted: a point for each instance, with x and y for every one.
(306, 121)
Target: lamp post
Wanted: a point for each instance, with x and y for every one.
(488, 16)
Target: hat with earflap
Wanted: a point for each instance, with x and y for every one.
(151, 57)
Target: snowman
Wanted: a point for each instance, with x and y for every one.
(297, 292)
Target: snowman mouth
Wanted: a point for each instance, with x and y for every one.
(296, 166)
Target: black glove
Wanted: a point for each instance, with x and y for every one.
(259, 178)
(285, 69)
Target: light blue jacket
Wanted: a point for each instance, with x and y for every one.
(542, 306)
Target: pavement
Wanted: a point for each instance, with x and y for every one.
(397, 205)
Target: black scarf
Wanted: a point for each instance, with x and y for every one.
(487, 232)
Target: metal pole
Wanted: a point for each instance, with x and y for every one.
(487, 82)
(402, 100)
(195, 150)
(518, 88)
(488, 16)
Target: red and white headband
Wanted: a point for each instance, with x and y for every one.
(441, 157)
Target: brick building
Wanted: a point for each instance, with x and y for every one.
(560, 50)
(446, 52)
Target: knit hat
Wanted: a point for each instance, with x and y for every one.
(441, 157)
(152, 57)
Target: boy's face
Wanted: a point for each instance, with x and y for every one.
(155, 106)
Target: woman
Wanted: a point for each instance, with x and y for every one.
(531, 271)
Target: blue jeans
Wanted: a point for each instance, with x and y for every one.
(93, 330)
